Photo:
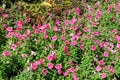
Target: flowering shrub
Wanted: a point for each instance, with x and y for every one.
(78, 47)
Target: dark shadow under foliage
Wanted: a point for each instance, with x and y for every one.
(11, 68)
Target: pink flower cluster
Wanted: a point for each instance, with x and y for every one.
(35, 65)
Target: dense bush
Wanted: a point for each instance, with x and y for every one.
(82, 43)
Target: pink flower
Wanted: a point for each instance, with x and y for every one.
(58, 66)
(44, 71)
(54, 38)
(75, 28)
(9, 29)
(67, 53)
(87, 37)
(43, 26)
(63, 37)
(66, 73)
(90, 9)
(96, 41)
(55, 28)
(66, 22)
(97, 5)
(96, 34)
(114, 78)
(108, 8)
(77, 10)
(113, 62)
(73, 38)
(99, 12)
(101, 62)
(49, 14)
(69, 12)
(34, 66)
(5, 15)
(84, 2)
(89, 17)
(104, 67)
(76, 78)
(47, 26)
(82, 46)
(59, 71)
(71, 62)
(19, 23)
(72, 69)
(13, 47)
(95, 23)
(103, 75)
(98, 68)
(73, 21)
(79, 33)
(66, 42)
(105, 44)
(40, 61)
(74, 43)
(50, 65)
(58, 23)
(27, 32)
(9, 35)
(86, 29)
(28, 20)
(118, 46)
(74, 75)
(93, 48)
(36, 31)
(4, 26)
(106, 54)
(118, 38)
(54, 56)
(25, 36)
(20, 37)
(111, 47)
(24, 55)
(98, 15)
(65, 48)
(112, 19)
(106, 0)
(45, 36)
(115, 31)
(100, 45)
(6, 53)
(95, 59)
(111, 69)
(51, 57)
(19, 28)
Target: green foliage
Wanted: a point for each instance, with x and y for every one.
(11, 66)
(36, 39)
